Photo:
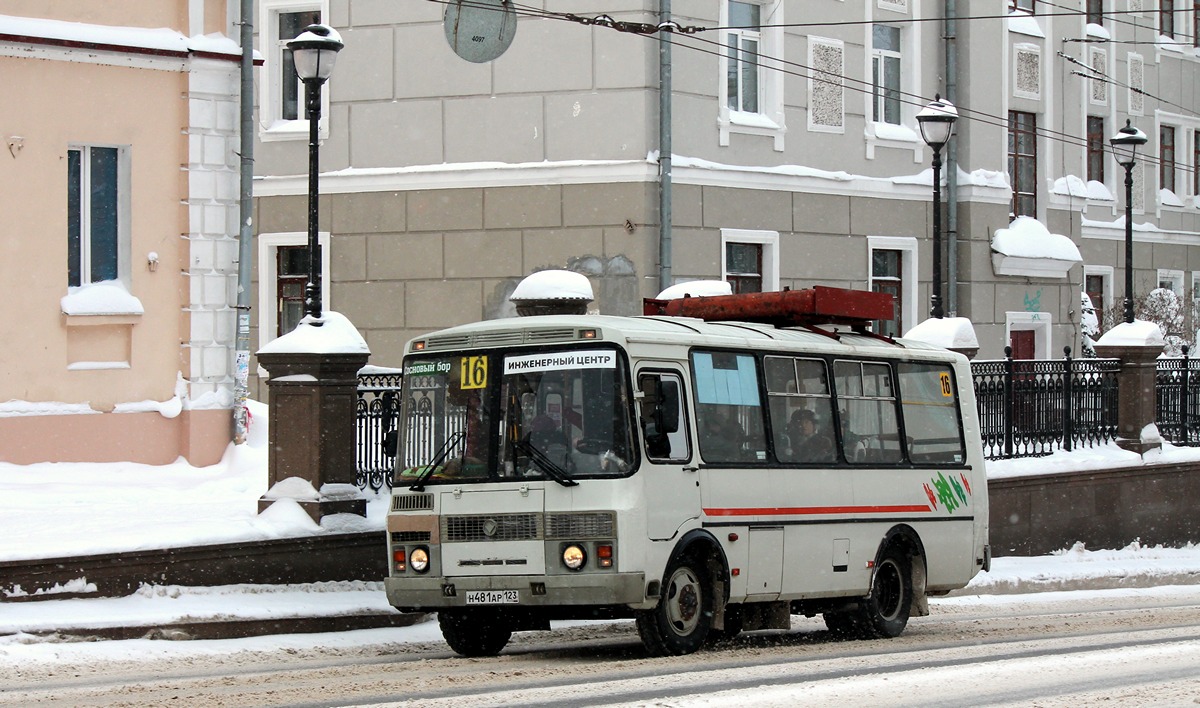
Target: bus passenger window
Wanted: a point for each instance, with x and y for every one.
(931, 419)
(729, 413)
(864, 391)
(801, 411)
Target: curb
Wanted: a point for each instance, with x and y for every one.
(1111, 582)
(234, 629)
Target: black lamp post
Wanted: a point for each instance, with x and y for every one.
(1125, 144)
(937, 125)
(313, 52)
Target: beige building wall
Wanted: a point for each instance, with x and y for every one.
(106, 387)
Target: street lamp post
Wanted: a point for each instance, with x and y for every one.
(313, 52)
(937, 125)
(1125, 144)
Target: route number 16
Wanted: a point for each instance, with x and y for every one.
(473, 372)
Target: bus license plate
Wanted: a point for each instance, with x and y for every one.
(493, 597)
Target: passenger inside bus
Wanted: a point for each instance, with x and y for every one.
(810, 440)
(722, 438)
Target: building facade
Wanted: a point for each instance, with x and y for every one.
(796, 158)
(119, 250)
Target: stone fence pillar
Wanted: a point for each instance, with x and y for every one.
(1136, 381)
(313, 389)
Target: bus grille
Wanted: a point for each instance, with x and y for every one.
(412, 502)
(581, 526)
(411, 536)
(492, 527)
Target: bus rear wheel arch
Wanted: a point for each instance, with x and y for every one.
(897, 592)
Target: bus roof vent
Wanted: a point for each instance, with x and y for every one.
(788, 308)
(553, 292)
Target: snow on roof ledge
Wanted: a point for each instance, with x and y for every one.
(1138, 333)
(696, 288)
(946, 332)
(1028, 248)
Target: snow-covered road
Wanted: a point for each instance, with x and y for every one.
(1048, 649)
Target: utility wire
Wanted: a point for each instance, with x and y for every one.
(1098, 75)
(661, 31)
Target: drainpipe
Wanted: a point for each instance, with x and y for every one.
(951, 40)
(664, 149)
(241, 370)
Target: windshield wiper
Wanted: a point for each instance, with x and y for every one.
(438, 459)
(550, 467)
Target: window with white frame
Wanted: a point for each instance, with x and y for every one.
(282, 94)
(750, 260)
(751, 87)
(1166, 157)
(1196, 159)
(1171, 280)
(97, 214)
(742, 72)
(1166, 23)
(1098, 285)
(282, 275)
(885, 74)
(1022, 5)
(892, 269)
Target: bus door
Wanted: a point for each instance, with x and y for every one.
(669, 482)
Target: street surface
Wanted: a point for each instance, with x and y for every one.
(1049, 650)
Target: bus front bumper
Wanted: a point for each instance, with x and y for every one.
(431, 593)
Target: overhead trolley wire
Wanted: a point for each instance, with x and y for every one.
(661, 32)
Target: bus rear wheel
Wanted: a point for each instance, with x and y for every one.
(680, 622)
(884, 613)
(474, 633)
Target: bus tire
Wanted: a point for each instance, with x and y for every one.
(884, 613)
(474, 633)
(680, 623)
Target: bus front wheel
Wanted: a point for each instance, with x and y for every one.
(680, 622)
(474, 633)
(884, 613)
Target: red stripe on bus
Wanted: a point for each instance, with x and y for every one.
(809, 510)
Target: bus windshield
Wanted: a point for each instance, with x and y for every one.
(490, 416)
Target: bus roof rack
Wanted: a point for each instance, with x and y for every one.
(818, 305)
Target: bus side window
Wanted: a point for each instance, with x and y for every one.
(864, 391)
(729, 409)
(931, 417)
(662, 415)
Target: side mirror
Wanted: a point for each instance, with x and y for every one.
(660, 403)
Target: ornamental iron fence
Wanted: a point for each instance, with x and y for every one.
(1032, 407)
(377, 414)
(1177, 404)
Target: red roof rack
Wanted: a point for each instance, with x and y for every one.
(787, 308)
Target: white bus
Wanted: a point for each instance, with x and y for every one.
(701, 477)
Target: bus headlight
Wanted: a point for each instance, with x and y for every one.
(418, 560)
(574, 557)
